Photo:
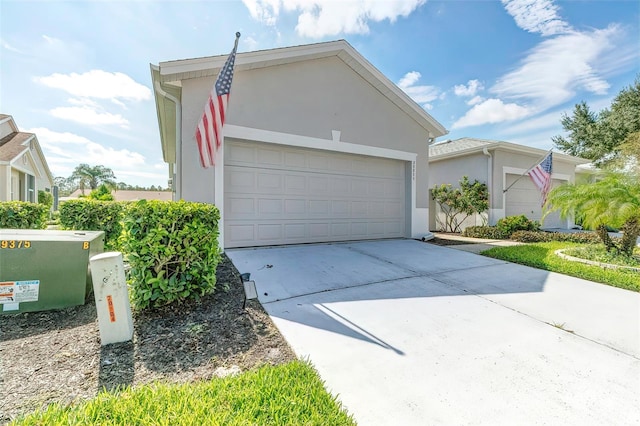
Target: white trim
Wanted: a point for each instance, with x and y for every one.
(259, 135)
(517, 171)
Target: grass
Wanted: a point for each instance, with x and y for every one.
(290, 394)
(598, 253)
(542, 256)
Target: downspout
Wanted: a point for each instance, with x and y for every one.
(486, 152)
(178, 171)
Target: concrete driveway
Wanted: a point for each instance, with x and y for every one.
(408, 333)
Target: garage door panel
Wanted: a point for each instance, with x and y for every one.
(281, 195)
(524, 198)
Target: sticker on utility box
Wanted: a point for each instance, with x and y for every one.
(19, 291)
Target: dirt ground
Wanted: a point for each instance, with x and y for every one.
(56, 356)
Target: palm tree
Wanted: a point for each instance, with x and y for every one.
(612, 201)
(92, 177)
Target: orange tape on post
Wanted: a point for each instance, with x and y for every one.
(112, 312)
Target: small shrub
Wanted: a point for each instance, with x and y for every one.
(45, 198)
(103, 193)
(511, 224)
(90, 215)
(22, 215)
(488, 232)
(172, 248)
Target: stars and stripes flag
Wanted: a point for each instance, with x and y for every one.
(541, 176)
(209, 131)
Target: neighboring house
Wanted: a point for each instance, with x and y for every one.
(319, 146)
(500, 165)
(23, 168)
(126, 195)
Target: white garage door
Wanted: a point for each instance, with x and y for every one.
(524, 198)
(276, 194)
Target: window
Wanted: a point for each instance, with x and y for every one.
(31, 188)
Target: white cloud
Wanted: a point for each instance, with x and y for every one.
(421, 94)
(90, 116)
(475, 100)
(320, 18)
(251, 43)
(9, 47)
(554, 70)
(64, 151)
(491, 111)
(537, 16)
(470, 89)
(98, 84)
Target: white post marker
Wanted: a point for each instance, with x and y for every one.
(112, 298)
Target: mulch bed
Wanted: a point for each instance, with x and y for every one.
(447, 242)
(55, 356)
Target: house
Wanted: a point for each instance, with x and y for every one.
(501, 165)
(126, 195)
(318, 146)
(23, 168)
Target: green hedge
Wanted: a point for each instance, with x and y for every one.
(172, 248)
(488, 232)
(22, 215)
(541, 236)
(91, 215)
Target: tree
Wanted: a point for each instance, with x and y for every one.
(612, 201)
(65, 186)
(599, 137)
(469, 199)
(92, 177)
(103, 193)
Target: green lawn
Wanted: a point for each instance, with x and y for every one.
(290, 394)
(542, 256)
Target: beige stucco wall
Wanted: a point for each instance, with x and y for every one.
(309, 98)
(5, 183)
(450, 171)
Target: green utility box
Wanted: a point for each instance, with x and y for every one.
(42, 270)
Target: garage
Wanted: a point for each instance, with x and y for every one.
(524, 198)
(276, 194)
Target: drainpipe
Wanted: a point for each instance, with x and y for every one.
(178, 171)
(486, 152)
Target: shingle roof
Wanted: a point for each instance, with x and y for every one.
(457, 145)
(12, 145)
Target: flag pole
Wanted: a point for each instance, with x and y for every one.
(528, 170)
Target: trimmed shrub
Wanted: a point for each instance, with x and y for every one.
(45, 198)
(22, 215)
(488, 232)
(541, 236)
(511, 224)
(172, 248)
(90, 215)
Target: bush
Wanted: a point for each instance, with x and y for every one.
(541, 236)
(45, 198)
(90, 215)
(172, 248)
(511, 224)
(22, 215)
(489, 232)
(103, 193)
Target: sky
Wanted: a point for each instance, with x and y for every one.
(76, 73)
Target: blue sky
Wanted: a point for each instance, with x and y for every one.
(76, 73)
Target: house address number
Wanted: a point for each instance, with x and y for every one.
(15, 244)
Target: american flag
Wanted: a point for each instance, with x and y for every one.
(541, 176)
(209, 130)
